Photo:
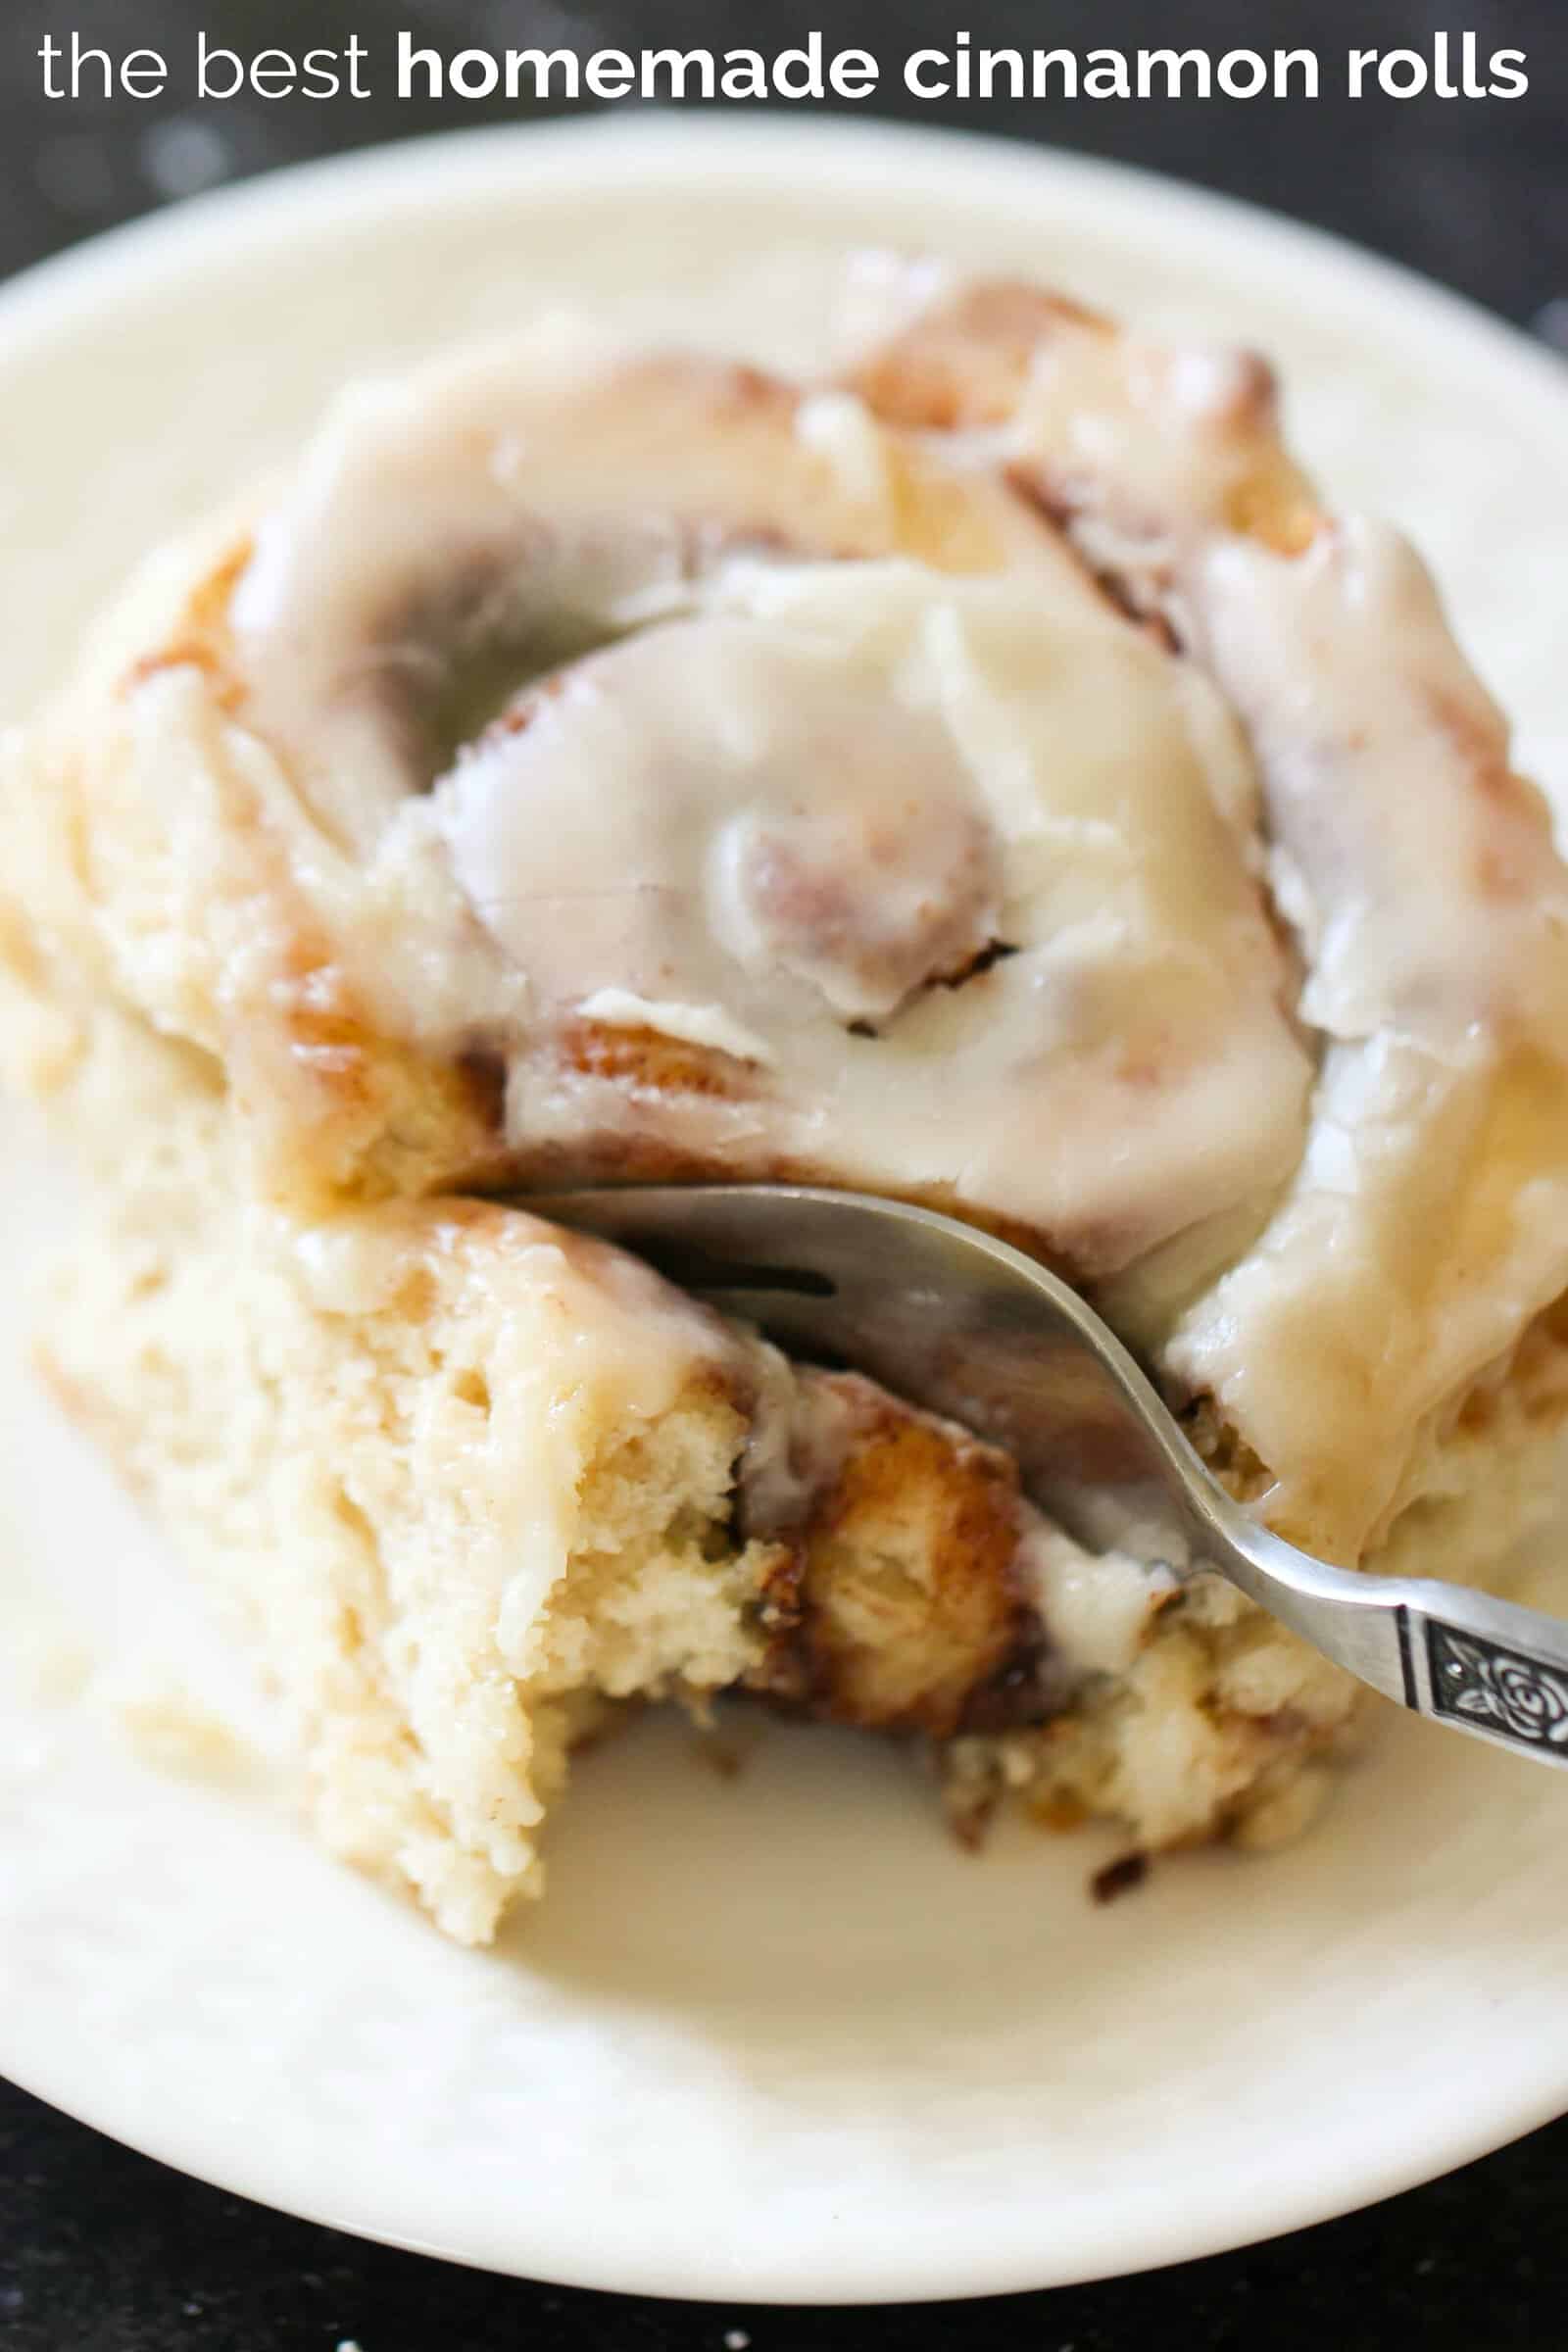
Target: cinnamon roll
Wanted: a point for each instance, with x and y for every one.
(985, 775)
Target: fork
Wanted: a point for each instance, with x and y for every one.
(965, 1326)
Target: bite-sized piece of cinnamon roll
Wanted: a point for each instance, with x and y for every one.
(989, 778)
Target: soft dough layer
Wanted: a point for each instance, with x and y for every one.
(468, 1485)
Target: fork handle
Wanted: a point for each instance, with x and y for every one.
(1461, 1658)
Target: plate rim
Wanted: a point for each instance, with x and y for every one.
(250, 208)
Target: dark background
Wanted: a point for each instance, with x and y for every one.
(101, 2251)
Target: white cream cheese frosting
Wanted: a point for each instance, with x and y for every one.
(989, 777)
(1427, 1221)
(1429, 1216)
(873, 825)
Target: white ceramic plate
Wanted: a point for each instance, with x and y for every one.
(773, 2038)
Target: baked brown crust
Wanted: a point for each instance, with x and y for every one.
(965, 363)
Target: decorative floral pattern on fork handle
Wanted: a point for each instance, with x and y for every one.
(1501, 1691)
